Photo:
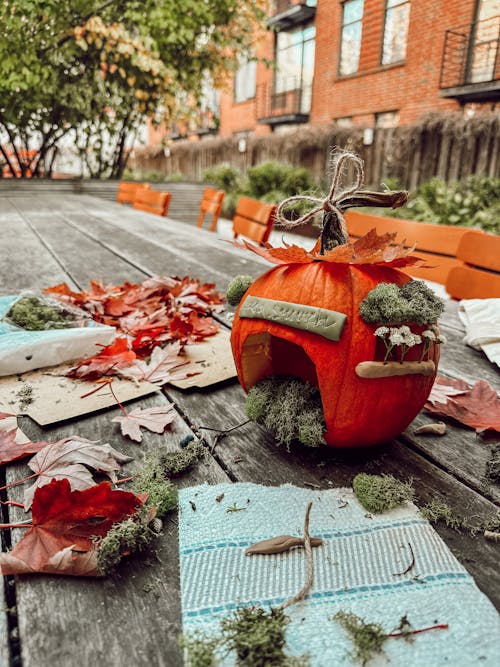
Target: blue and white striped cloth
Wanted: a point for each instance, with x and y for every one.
(356, 569)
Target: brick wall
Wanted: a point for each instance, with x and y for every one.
(411, 88)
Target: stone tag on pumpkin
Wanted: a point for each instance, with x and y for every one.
(326, 323)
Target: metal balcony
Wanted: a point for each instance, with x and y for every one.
(286, 14)
(284, 101)
(470, 67)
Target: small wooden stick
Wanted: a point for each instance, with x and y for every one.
(381, 369)
(310, 565)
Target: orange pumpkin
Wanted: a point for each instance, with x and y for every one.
(358, 411)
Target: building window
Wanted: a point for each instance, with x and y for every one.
(387, 119)
(295, 59)
(244, 82)
(397, 17)
(344, 121)
(350, 41)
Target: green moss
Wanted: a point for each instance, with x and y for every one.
(288, 407)
(381, 493)
(200, 650)
(34, 314)
(150, 479)
(176, 463)
(237, 288)
(437, 510)
(493, 464)
(128, 537)
(388, 303)
(368, 638)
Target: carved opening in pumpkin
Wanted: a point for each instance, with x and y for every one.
(264, 354)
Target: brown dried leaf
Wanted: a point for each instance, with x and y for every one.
(14, 444)
(153, 419)
(280, 544)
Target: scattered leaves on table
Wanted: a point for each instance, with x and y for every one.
(73, 459)
(64, 523)
(477, 407)
(109, 361)
(14, 444)
(154, 419)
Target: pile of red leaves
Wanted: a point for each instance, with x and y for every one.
(159, 310)
(369, 249)
(477, 406)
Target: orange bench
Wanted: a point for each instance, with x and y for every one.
(211, 203)
(152, 201)
(478, 275)
(127, 192)
(254, 219)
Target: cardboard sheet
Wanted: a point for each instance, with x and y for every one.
(212, 358)
(55, 398)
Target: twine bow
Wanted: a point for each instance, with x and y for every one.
(333, 202)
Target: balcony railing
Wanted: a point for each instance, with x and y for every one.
(285, 100)
(471, 55)
(287, 13)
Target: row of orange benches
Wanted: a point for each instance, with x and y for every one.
(466, 261)
(252, 218)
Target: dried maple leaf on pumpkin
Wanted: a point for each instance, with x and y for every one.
(477, 407)
(369, 249)
(73, 459)
(154, 419)
(109, 360)
(64, 523)
(14, 444)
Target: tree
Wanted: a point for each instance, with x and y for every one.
(100, 68)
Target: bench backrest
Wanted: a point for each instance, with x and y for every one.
(478, 275)
(152, 201)
(436, 244)
(254, 219)
(211, 203)
(127, 192)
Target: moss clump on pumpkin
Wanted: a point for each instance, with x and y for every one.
(388, 303)
(381, 493)
(35, 314)
(127, 537)
(237, 288)
(368, 638)
(288, 407)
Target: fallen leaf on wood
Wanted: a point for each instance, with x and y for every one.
(277, 545)
(446, 387)
(436, 428)
(73, 459)
(162, 367)
(14, 444)
(153, 419)
(478, 407)
(108, 362)
(64, 523)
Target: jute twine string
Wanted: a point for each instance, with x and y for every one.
(333, 200)
(310, 567)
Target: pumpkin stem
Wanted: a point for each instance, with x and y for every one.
(333, 234)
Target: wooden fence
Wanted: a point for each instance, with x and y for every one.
(446, 146)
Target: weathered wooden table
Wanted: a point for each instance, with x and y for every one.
(133, 617)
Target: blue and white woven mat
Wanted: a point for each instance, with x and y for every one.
(354, 570)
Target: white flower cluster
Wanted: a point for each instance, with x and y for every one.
(403, 338)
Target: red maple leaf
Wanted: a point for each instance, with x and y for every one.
(369, 249)
(107, 362)
(65, 519)
(14, 444)
(477, 407)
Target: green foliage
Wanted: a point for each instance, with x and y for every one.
(150, 479)
(36, 314)
(224, 177)
(381, 493)
(175, 177)
(473, 202)
(368, 638)
(388, 303)
(176, 463)
(200, 650)
(288, 407)
(237, 288)
(131, 536)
